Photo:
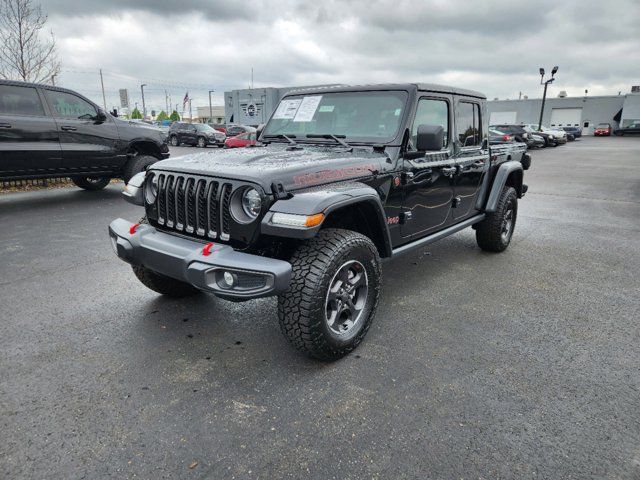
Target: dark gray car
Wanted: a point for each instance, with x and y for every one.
(48, 131)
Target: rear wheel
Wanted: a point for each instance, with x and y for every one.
(202, 142)
(91, 183)
(494, 233)
(173, 140)
(137, 164)
(333, 294)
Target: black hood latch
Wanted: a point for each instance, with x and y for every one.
(279, 192)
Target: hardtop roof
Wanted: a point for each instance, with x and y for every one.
(422, 87)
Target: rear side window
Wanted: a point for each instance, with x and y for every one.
(67, 105)
(431, 112)
(468, 124)
(16, 100)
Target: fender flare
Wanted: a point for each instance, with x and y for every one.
(499, 180)
(327, 201)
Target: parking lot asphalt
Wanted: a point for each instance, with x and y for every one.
(524, 364)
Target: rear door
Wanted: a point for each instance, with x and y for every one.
(29, 143)
(472, 157)
(87, 145)
(428, 189)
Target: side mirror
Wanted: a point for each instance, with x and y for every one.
(101, 116)
(430, 138)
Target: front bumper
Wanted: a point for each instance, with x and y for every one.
(185, 260)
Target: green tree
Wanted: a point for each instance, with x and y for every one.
(136, 114)
(174, 117)
(162, 116)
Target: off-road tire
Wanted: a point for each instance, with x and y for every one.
(489, 232)
(201, 142)
(162, 284)
(91, 184)
(137, 164)
(173, 141)
(302, 308)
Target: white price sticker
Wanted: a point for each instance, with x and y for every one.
(307, 108)
(287, 109)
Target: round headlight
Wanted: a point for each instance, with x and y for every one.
(151, 188)
(251, 203)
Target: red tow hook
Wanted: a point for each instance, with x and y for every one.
(206, 250)
(133, 228)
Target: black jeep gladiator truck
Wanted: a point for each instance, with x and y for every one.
(48, 132)
(344, 177)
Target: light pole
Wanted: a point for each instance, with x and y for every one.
(544, 95)
(210, 107)
(144, 107)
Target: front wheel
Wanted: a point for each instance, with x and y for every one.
(91, 184)
(494, 233)
(174, 141)
(333, 294)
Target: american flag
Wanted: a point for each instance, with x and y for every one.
(185, 100)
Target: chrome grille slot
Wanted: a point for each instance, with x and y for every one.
(226, 216)
(212, 196)
(191, 207)
(201, 207)
(180, 203)
(171, 201)
(161, 201)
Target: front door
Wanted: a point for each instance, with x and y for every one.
(29, 142)
(87, 146)
(428, 179)
(472, 157)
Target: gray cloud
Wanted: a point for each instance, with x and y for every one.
(494, 46)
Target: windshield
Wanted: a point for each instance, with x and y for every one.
(358, 116)
(203, 127)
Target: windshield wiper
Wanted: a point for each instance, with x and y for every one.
(282, 135)
(337, 138)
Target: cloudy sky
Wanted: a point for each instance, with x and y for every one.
(495, 46)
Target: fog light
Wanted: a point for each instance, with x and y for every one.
(229, 279)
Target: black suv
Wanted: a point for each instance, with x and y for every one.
(343, 177)
(195, 134)
(47, 131)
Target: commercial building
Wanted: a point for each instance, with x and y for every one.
(213, 115)
(253, 106)
(586, 112)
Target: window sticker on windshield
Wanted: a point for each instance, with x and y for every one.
(397, 113)
(326, 108)
(287, 109)
(307, 108)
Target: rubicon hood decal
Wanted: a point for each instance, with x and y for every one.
(294, 169)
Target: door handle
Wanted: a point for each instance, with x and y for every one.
(449, 171)
(5, 125)
(68, 128)
(478, 163)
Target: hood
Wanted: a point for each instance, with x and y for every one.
(294, 169)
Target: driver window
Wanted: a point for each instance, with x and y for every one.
(431, 112)
(66, 105)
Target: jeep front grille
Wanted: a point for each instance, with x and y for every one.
(194, 205)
